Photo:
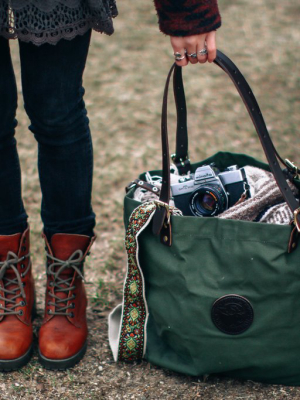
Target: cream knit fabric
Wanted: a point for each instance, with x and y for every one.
(266, 204)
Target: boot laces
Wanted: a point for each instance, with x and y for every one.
(63, 284)
(10, 303)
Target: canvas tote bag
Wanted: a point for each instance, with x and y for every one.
(209, 295)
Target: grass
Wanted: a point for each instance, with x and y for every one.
(124, 80)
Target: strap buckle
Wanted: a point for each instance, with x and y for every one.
(182, 162)
(168, 208)
(296, 221)
(183, 165)
(293, 168)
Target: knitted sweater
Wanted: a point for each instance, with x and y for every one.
(47, 21)
(187, 17)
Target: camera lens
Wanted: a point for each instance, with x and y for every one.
(208, 201)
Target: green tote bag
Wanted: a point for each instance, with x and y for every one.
(209, 295)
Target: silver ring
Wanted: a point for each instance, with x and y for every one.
(179, 56)
(192, 55)
(203, 52)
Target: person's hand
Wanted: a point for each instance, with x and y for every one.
(191, 45)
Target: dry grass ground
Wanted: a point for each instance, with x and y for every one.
(124, 79)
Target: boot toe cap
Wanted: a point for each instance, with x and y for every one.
(61, 343)
(14, 343)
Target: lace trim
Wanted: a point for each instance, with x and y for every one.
(69, 32)
(30, 24)
(50, 5)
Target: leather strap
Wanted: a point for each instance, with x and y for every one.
(181, 132)
(144, 185)
(160, 213)
(182, 144)
(180, 158)
(294, 240)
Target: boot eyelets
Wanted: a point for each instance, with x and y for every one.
(23, 284)
(23, 248)
(22, 266)
(71, 315)
(21, 312)
(49, 312)
(22, 303)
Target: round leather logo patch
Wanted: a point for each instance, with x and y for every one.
(232, 314)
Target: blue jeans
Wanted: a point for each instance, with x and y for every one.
(53, 99)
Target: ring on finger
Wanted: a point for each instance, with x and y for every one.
(179, 56)
(203, 52)
(192, 55)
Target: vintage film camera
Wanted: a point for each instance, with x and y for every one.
(209, 192)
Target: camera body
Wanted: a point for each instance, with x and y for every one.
(209, 192)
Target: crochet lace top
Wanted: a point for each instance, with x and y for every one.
(47, 21)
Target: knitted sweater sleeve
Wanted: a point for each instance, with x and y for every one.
(187, 17)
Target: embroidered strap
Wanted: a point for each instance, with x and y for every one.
(135, 312)
(132, 336)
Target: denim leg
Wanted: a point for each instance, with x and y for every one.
(13, 218)
(53, 99)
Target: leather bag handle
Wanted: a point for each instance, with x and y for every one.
(182, 142)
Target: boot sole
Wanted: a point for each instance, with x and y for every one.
(17, 363)
(64, 364)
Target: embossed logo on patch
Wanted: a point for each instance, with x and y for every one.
(232, 314)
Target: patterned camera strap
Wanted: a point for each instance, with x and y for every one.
(132, 339)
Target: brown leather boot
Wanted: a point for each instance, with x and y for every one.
(63, 335)
(17, 301)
